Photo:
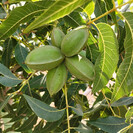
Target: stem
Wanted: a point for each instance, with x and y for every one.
(109, 104)
(106, 13)
(67, 111)
(23, 84)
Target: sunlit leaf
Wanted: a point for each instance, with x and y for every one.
(129, 115)
(22, 14)
(107, 60)
(120, 2)
(16, 1)
(124, 78)
(58, 10)
(89, 9)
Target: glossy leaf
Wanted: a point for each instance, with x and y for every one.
(7, 78)
(43, 110)
(21, 15)
(58, 10)
(110, 124)
(20, 55)
(124, 78)
(9, 44)
(106, 62)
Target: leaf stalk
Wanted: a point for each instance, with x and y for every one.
(67, 109)
(106, 13)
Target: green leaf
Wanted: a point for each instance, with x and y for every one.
(83, 128)
(43, 110)
(110, 5)
(99, 10)
(106, 62)
(123, 101)
(129, 115)
(110, 124)
(9, 44)
(7, 78)
(120, 2)
(28, 124)
(20, 55)
(2, 13)
(124, 78)
(121, 37)
(89, 9)
(78, 110)
(16, 1)
(36, 82)
(74, 19)
(3, 104)
(50, 126)
(92, 52)
(22, 14)
(58, 10)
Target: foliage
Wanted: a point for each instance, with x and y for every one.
(26, 105)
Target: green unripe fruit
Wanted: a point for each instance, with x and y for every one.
(44, 58)
(57, 37)
(56, 79)
(74, 41)
(80, 67)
